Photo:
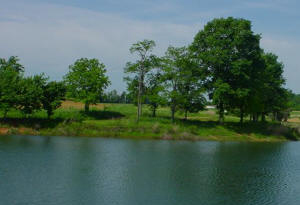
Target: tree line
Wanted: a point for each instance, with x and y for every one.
(85, 81)
(224, 61)
(224, 64)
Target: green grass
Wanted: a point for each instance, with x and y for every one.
(119, 120)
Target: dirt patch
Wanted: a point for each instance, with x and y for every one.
(4, 131)
(79, 105)
(294, 120)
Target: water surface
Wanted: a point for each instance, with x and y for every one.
(71, 171)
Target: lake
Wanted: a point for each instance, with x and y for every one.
(70, 171)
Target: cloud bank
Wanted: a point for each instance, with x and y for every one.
(50, 37)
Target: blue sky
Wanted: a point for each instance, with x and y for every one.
(49, 35)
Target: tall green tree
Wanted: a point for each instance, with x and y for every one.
(53, 95)
(273, 95)
(30, 94)
(11, 63)
(191, 86)
(86, 80)
(229, 52)
(132, 89)
(183, 81)
(141, 67)
(172, 70)
(154, 91)
(11, 73)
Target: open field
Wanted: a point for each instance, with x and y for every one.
(119, 120)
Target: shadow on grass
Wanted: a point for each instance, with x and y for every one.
(264, 128)
(102, 115)
(35, 123)
(247, 128)
(198, 123)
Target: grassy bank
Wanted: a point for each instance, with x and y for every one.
(119, 120)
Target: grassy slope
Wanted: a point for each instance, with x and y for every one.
(119, 120)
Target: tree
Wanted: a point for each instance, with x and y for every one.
(9, 85)
(53, 95)
(11, 72)
(294, 101)
(154, 90)
(12, 63)
(183, 81)
(273, 96)
(229, 52)
(30, 94)
(124, 97)
(141, 67)
(86, 80)
(132, 89)
(191, 86)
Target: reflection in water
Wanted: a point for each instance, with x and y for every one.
(243, 172)
(58, 170)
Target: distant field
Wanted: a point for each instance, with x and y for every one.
(78, 105)
(119, 120)
(295, 117)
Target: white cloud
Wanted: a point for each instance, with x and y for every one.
(288, 52)
(48, 38)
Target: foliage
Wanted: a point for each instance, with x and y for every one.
(141, 67)
(86, 80)
(11, 63)
(272, 85)
(114, 97)
(229, 52)
(294, 101)
(53, 95)
(182, 81)
(30, 94)
(9, 87)
(132, 89)
(154, 91)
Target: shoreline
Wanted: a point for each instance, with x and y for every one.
(119, 121)
(28, 132)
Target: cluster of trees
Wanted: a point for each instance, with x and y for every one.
(225, 61)
(294, 101)
(114, 97)
(172, 80)
(85, 81)
(27, 94)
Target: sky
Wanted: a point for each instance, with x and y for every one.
(49, 35)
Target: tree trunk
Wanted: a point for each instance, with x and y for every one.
(173, 113)
(274, 116)
(86, 107)
(255, 117)
(5, 113)
(185, 114)
(221, 114)
(139, 113)
(154, 112)
(241, 115)
(49, 113)
(263, 117)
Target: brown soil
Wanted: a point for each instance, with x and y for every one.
(79, 105)
(294, 120)
(3, 131)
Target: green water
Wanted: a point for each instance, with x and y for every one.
(71, 171)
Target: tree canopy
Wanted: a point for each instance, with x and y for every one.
(87, 80)
(146, 61)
